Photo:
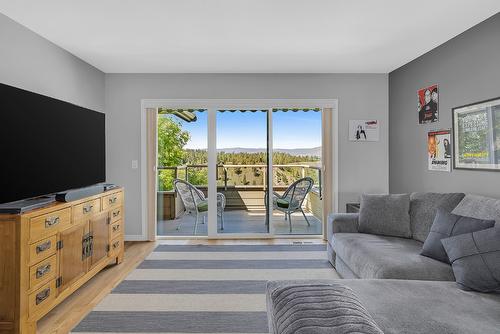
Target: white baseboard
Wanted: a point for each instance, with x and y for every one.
(139, 237)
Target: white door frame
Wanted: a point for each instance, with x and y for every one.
(149, 224)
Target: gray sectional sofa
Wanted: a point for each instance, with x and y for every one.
(402, 307)
(363, 255)
(403, 291)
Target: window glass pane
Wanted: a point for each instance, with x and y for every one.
(297, 140)
(182, 155)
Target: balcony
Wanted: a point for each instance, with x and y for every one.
(244, 187)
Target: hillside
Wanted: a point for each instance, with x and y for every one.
(314, 151)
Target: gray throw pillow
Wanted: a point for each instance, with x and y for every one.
(447, 225)
(479, 207)
(385, 215)
(475, 259)
(423, 208)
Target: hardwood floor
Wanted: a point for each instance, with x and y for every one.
(70, 312)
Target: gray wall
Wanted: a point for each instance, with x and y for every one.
(467, 69)
(33, 63)
(363, 166)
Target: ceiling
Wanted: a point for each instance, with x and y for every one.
(248, 36)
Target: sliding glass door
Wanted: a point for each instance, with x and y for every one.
(182, 177)
(242, 167)
(297, 171)
(239, 172)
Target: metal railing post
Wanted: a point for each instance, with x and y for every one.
(320, 184)
(225, 178)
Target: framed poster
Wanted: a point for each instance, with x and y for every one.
(364, 130)
(428, 104)
(476, 136)
(439, 150)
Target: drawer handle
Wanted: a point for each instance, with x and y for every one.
(41, 296)
(116, 244)
(87, 208)
(87, 246)
(51, 221)
(113, 200)
(43, 247)
(41, 271)
(116, 213)
(116, 227)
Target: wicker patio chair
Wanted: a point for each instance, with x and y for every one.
(292, 199)
(196, 204)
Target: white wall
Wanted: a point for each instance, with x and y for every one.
(363, 167)
(30, 62)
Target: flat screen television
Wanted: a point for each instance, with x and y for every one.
(47, 145)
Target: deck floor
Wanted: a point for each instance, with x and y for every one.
(242, 221)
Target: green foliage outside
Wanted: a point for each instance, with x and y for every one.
(172, 140)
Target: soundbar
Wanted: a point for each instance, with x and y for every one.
(79, 193)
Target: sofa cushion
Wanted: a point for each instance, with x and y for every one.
(423, 307)
(316, 308)
(423, 208)
(446, 225)
(203, 206)
(479, 207)
(475, 258)
(374, 256)
(385, 215)
(426, 307)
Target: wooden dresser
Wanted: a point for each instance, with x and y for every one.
(48, 253)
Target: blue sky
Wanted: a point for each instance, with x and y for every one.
(246, 129)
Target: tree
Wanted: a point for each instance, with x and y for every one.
(171, 142)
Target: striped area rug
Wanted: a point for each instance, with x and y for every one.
(203, 289)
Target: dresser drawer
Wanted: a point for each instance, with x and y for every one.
(116, 214)
(113, 200)
(115, 229)
(49, 224)
(42, 298)
(116, 246)
(86, 209)
(43, 272)
(42, 249)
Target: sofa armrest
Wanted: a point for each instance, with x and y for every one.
(342, 223)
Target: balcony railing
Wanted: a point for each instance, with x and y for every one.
(258, 180)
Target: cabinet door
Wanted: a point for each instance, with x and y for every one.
(99, 232)
(72, 263)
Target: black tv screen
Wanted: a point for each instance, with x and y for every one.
(47, 145)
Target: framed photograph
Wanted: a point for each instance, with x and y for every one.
(439, 150)
(428, 104)
(476, 136)
(364, 130)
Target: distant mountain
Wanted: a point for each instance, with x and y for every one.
(314, 151)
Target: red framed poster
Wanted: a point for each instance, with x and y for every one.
(428, 104)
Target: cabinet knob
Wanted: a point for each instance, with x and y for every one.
(41, 296)
(51, 221)
(87, 208)
(42, 270)
(43, 247)
(113, 200)
(116, 227)
(116, 213)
